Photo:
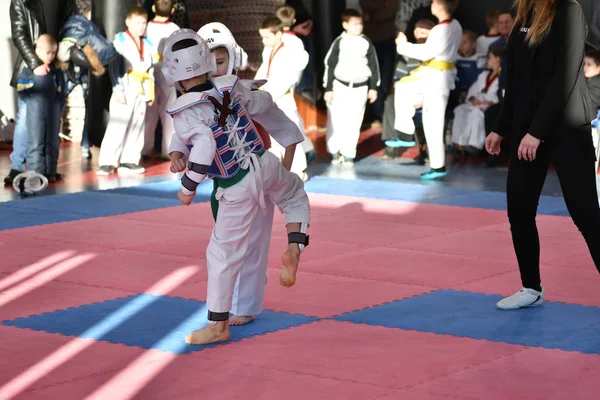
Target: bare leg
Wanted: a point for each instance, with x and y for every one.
(290, 259)
(218, 332)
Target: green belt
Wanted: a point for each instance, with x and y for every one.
(226, 183)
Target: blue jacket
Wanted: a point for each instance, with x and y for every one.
(51, 86)
(82, 31)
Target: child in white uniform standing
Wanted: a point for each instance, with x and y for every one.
(158, 30)
(287, 16)
(132, 76)
(468, 127)
(213, 119)
(441, 52)
(351, 77)
(282, 67)
(249, 292)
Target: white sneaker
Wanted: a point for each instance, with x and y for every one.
(523, 298)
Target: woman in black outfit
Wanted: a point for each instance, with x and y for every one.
(546, 117)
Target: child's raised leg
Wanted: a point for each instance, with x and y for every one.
(286, 190)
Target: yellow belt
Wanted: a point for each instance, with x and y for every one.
(440, 65)
(433, 64)
(141, 77)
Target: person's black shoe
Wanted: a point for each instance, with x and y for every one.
(54, 178)
(8, 180)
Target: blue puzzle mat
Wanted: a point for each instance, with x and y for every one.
(13, 218)
(166, 190)
(474, 315)
(148, 321)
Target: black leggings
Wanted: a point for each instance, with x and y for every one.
(573, 157)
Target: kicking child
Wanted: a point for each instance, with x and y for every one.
(213, 117)
(249, 291)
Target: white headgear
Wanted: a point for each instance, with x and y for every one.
(189, 62)
(218, 35)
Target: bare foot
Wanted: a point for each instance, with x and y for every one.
(290, 260)
(210, 334)
(237, 320)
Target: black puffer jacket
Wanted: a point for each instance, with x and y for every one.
(27, 23)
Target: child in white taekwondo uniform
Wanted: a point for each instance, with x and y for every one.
(213, 118)
(351, 77)
(132, 76)
(249, 291)
(440, 51)
(468, 127)
(287, 16)
(158, 30)
(282, 67)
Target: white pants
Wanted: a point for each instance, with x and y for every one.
(165, 95)
(287, 104)
(406, 95)
(468, 127)
(344, 118)
(124, 137)
(434, 117)
(249, 292)
(238, 208)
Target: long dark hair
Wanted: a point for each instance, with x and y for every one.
(543, 15)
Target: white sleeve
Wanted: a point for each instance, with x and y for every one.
(177, 145)
(435, 44)
(283, 78)
(278, 125)
(255, 101)
(191, 129)
(481, 48)
(492, 93)
(478, 86)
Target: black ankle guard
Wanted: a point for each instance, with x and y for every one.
(218, 316)
(298, 237)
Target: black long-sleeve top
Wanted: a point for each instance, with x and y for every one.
(546, 90)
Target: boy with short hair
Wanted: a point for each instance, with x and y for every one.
(43, 95)
(158, 30)
(287, 16)
(132, 76)
(591, 70)
(213, 118)
(484, 41)
(282, 67)
(441, 52)
(351, 78)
